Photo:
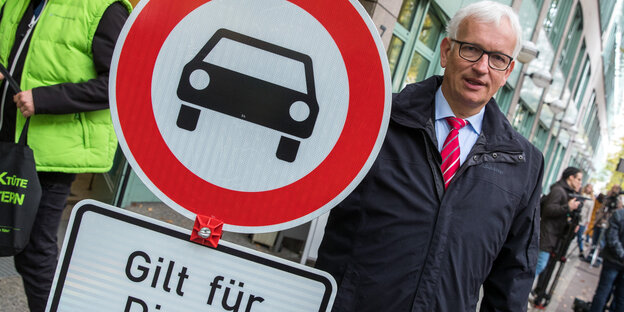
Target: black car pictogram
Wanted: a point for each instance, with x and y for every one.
(254, 99)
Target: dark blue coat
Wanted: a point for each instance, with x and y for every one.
(400, 242)
(614, 253)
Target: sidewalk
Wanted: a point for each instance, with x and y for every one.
(578, 280)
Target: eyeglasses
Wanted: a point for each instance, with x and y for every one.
(473, 53)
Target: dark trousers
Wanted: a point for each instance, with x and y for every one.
(610, 276)
(37, 262)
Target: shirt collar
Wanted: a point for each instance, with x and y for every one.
(443, 110)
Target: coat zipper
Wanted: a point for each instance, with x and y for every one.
(31, 26)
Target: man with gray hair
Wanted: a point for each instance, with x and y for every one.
(450, 205)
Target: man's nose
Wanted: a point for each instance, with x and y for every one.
(482, 64)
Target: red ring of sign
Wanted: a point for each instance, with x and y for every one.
(354, 146)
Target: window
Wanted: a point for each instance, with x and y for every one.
(551, 177)
(571, 42)
(556, 18)
(538, 3)
(580, 56)
(587, 119)
(394, 52)
(503, 98)
(415, 40)
(594, 135)
(582, 85)
(540, 137)
(417, 69)
(550, 152)
(528, 14)
(606, 10)
(407, 13)
(523, 121)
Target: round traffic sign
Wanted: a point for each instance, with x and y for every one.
(261, 113)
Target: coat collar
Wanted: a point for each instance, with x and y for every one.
(414, 107)
(563, 184)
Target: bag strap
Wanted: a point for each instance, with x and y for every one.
(14, 85)
(24, 134)
(16, 88)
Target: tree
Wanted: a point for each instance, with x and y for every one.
(612, 163)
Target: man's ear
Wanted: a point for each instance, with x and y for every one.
(445, 51)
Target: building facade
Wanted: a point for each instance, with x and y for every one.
(563, 100)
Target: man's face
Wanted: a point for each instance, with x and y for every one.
(468, 86)
(576, 181)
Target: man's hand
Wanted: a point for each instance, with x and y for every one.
(573, 204)
(1, 76)
(24, 102)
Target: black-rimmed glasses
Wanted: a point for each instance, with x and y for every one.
(473, 53)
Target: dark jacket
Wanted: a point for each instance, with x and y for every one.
(554, 215)
(400, 242)
(614, 252)
(603, 214)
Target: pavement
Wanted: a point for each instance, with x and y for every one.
(578, 279)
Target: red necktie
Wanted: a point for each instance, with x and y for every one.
(450, 150)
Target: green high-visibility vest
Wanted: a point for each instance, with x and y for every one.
(59, 52)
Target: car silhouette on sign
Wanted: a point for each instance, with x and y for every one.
(252, 80)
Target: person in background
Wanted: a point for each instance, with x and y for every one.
(612, 273)
(451, 204)
(588, 192)
(610, 203)
(59, 51)
(556, 208)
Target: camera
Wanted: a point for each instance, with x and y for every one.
(580, 198)
(575, 215)
(612, 201)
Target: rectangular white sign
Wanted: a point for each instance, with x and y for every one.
(117, 260)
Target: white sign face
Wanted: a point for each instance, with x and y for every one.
(263, 114)
(242, 151)
(116, 260)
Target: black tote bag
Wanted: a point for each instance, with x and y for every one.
(20, 190)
